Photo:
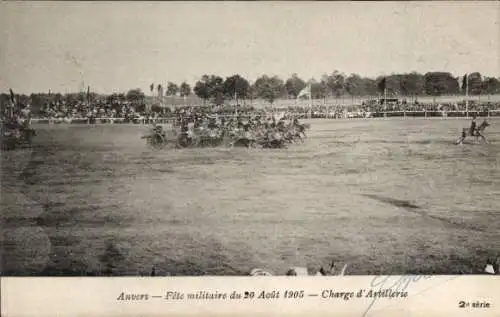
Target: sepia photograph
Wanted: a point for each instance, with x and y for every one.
(249, 138)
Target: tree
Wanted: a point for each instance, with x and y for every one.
(140, 107)
(294, 85)
(122, 97)
(135, 96)
(318, 89)
(335, 83)
(159, 89)
(269, 88)
(156, 109)
(369, 87)
(216, 89)
(474, 84)
(491, 85)
(172, 89)
(252, 94)
(185, 89)
(151, 88)
(382, 85)
(201, 88)
(236, 86)
(354, 85)
(411, 84)
(439, 83)
(210, 87)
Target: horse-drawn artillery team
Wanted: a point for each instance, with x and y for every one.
(16, 128)
(212, 130)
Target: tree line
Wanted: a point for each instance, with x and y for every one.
(216, 89)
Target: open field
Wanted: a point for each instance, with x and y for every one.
(384, 196)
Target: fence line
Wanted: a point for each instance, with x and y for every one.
(303, 115)
(344, 100)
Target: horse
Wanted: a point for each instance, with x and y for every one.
(303, 128)
(476, 133)
(243, 142)
(186, 139)
(28, 134)
(479, 131)
(210, 137)
(13, 137)
(273, 140)
(157, 139)
(296, 133)
(237, 137)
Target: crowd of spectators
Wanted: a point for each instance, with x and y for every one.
(130, 112)
(401, 108)
(83, 110)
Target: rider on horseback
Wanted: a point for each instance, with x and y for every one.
(18, 126)
(481, 128)
(281, 125)
(158, 129)
(472, 129)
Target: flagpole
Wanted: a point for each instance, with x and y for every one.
(14, 103)
(327, 106)
(385, 102)
(295, 104)
(310, 100)
(466, 95)
(88, 98)
(235, 104)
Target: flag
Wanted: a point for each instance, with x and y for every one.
(305, 92)
(489, 269)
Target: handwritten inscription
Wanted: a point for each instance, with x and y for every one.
(391, 286)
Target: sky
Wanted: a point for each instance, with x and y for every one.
(116, 46)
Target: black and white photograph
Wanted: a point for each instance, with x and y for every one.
(152, 139)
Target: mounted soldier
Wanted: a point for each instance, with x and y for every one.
(472, 129)
(158, 129)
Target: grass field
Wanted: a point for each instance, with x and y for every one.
(384, 196)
